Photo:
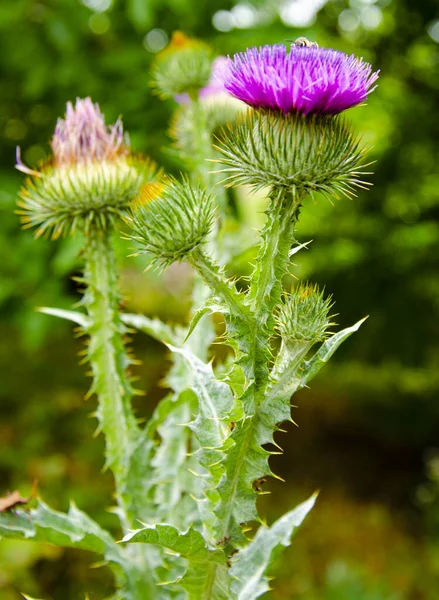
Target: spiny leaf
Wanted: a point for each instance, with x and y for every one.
(173, 484)
(206, 575)
(209, 307)
(215, 401)
(217, 409)
(155, 328)
(189, 544)
(71, 315)
(74, 529)
(252, 562)
(326, 350)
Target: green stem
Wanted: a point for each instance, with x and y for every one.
(264, 295)
(214, 276)
(266, 281)
(272, 261)
(109, 362)
(202, 143)
(107, 356)
(204, 152)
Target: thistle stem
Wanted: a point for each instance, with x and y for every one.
(263, 296)
(108, 360)
(203, 144)
(217, 281)
(266, 281)
(271, 263)
(111, 384)
(204, 152)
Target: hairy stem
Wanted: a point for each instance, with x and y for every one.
(203, 144)
(214, 276)
(263, 296)
(108, 359)
(266, 281)
(111, 384)
(272, 261)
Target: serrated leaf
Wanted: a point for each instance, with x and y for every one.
(70, 315)
(211, 306)
(206, 575)
(326, 350)
(215, 401)
(74, 529)
(212, 428)
(253, 561)
(189, 545)
(155, 328)
(173, 484)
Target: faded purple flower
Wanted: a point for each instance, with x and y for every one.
(214, 87)
(302, 79)
(82, 135)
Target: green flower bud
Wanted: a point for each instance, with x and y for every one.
(170, 220)
(91, 178)
(215, 116)
(184, 67)
(64, 198)
(304, 316)
(304, 153)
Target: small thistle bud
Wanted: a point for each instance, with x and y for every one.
(91, 177)
(315, 153)
(170, 220)
(183, 67)
(304, 316)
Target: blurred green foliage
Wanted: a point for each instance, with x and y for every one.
(370, 420)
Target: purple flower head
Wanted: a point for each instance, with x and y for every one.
(302, 79)
(82, 135)
(215, 86)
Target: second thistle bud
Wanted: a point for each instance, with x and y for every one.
(170, 220)
(184, 67)
(90, 179)
(304, 316)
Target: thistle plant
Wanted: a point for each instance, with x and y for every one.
(187, 483)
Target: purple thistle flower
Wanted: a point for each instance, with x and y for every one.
(303, 79)
(82, 135)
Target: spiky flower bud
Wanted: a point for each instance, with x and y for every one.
(90, 179)
(183, 67)
(304, 316)
(170, 220)
(313, 153)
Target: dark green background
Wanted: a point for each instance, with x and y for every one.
(368, 428)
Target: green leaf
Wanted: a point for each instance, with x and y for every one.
(210, 307)
(326, 350)
(173, 483)
(74, 529)
(252, 562)
(206, 575)
(217, 409)
(190, 545)
(153, 327)
(215, 401)
(71, 315)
